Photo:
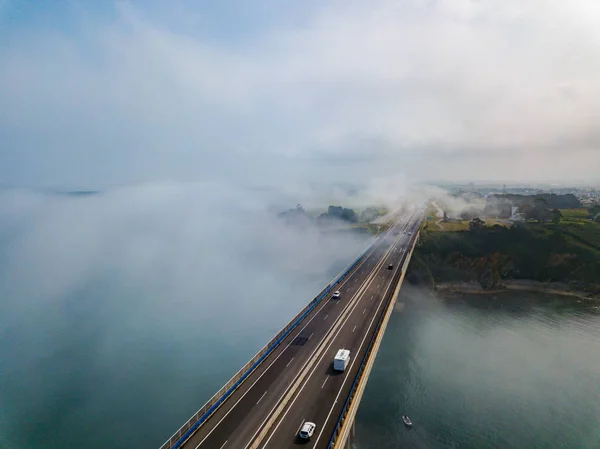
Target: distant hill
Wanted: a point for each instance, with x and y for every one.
(71, 192)
(335, 215)
(296, 216)
(338, 213)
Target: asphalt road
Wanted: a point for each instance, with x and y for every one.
(348, 323)
(323, 392)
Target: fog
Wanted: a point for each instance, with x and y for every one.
(125, 310)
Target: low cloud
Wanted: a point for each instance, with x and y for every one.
(436, 90)
(137, 303)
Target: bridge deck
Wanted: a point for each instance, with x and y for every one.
(295, 382)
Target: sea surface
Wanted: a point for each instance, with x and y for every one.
(121, 313)
(515, 370)
(119, 320)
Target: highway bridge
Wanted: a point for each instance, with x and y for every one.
(291, 380)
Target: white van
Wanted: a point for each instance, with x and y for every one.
(341, 359)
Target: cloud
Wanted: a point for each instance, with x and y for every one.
(439, 90)
(140, 300)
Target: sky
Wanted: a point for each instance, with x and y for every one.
(101, 94)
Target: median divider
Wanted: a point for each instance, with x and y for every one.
(188, 429)
(340, 433)
(316, 356)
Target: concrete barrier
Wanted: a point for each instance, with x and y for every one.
(344, 424)
(192, 424)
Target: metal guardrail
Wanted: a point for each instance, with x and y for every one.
(220, 396)
(362, 366)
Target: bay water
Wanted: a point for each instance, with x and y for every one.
(515, 370)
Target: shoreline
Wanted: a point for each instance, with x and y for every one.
(553, 288)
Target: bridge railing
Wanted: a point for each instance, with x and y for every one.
(220, 396)
(363, 363)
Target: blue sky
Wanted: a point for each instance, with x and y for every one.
(94, 94)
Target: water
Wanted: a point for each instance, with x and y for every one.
(477, 373)
(122, 313)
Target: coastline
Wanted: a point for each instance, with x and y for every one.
(554, 288)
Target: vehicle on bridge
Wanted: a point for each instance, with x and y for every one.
(390, 267)
(341, 359)
(307, 430)
(336, 294)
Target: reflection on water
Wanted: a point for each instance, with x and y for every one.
(515, 371)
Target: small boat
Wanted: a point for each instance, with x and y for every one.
(407, 421)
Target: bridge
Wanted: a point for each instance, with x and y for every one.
(291, 380)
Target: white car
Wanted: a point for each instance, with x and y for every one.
(307, 430)
(336, 294)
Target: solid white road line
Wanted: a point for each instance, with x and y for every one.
(323, 354)
(355, 358)
(306, 380)
(301, 424)
(276, 358)
(350, 306)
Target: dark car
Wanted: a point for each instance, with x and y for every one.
(390, 267)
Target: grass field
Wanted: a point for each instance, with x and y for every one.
(574, 214)
(575, 228)
(581, 230)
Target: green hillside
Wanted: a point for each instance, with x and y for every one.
(568, 252)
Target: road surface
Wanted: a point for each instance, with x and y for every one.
(300, 367)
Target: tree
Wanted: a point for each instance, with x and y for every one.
(469, 213)
(555, 216)
(476, 224)
(340, 213)
(537, 212)
(597, 218)
(540, 210)
(526, 210)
